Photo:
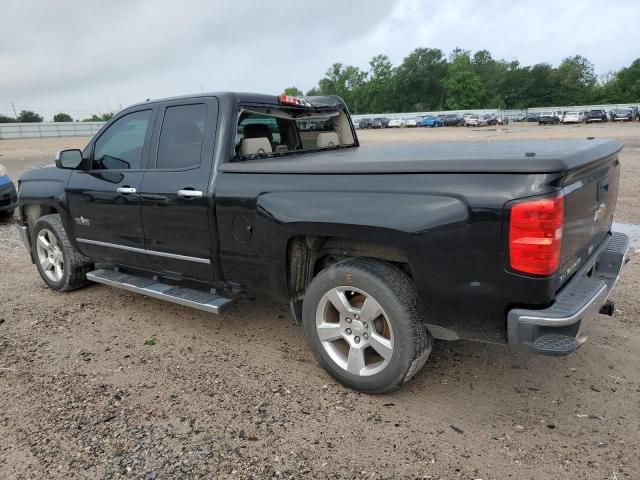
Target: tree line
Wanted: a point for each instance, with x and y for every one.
(28, 116)
(428, 80)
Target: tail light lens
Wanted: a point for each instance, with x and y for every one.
(535, 235)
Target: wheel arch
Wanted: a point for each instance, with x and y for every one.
(307, 255)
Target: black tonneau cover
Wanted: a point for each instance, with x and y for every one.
(495, 157)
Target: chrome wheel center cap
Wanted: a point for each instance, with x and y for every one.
(357, 327)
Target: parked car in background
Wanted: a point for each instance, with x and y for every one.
(597, 115)
(453, 120)
(474, 121)
(397, 122)
(8, 197)
(376, 123)
(356, 124)
(414, 122)
(490, 119)
(518, 117)
(384, 121)
(621, 115)
(364, 123)
(503, 120)
(532, 117)
(573, 117)
(548, 118)
(433, 121)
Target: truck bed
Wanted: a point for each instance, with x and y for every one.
(496, 157)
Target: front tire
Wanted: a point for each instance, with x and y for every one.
(361, 320)
(60, 265)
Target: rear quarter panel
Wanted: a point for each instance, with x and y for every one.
(448, 225)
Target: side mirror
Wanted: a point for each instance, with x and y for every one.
(69, 159)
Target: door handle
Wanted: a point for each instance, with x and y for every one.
(186, 193)
(126, 190)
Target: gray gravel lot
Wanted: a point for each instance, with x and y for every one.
(240, 395)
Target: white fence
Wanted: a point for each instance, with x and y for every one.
(49, 129)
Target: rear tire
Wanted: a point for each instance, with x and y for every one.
(59, 264)
(361, 320)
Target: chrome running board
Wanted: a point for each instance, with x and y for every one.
(153, 288)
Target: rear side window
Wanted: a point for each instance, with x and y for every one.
(181, 136)
(120, 146)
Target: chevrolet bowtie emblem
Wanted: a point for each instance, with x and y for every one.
(600, 213)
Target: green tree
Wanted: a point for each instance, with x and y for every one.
(465, 89)
(575, 81)
(102, 117)
(5, 119)
(293, 91)
(623, 86)
(62, 117)
(515, 85)
(542, 82)
(27, 116)
(347, 82)
(378, 93)
(418, 81)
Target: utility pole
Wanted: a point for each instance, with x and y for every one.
(14, 112)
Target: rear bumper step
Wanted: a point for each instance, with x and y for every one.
(560, 328)
(152, 288)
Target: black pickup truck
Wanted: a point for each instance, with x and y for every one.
(378, 250)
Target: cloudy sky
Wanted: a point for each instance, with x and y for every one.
(86, 56)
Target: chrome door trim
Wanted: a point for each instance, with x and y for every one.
(142, 250)
(111, 245)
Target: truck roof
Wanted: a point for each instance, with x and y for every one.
(331, 101)
(496, 157)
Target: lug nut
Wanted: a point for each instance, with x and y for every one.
(356, 316)
(365, 336)
(348, 320)
(365, 325)
(357, 339)
(348, 331)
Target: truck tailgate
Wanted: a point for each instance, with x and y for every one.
(591, 192)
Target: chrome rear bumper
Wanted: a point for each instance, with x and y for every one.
(578, 302)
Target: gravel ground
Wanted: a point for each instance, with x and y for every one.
(240, 395)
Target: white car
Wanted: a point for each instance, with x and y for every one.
(572, 117)
(413, 122)
(397, 122)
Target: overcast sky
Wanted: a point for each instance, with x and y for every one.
(88, 56)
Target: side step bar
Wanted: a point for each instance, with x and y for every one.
(152, 288)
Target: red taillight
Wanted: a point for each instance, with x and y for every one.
(291, 100)
(535, 235)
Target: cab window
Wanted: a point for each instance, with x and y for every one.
(181, 136)
(120, 146)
